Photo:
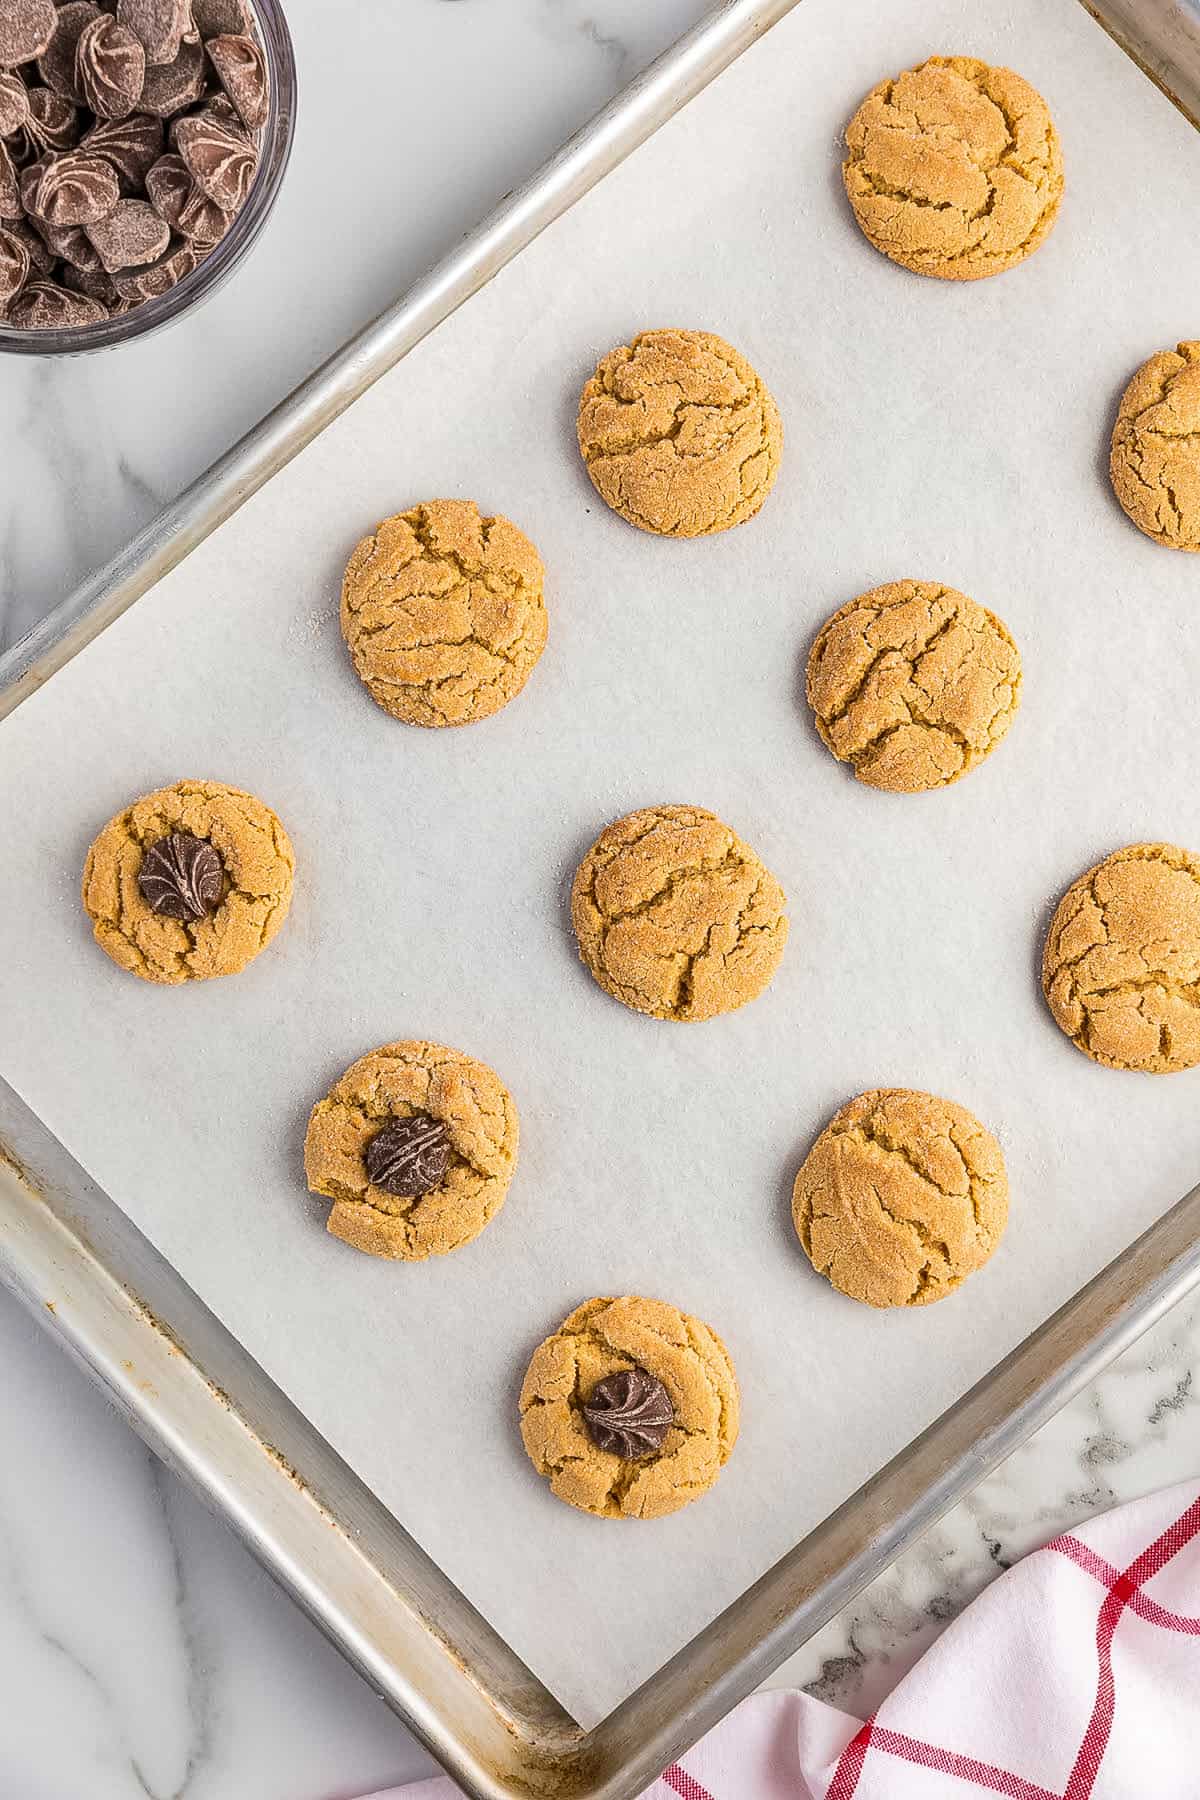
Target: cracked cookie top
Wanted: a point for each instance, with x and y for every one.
(247, 910)
(954, 168)
(1154, 463)
(443, 613)
(913, 684)
(676, 916)
(679, 434)
(394, 1082)
(599, 1339)
(1121, 966)
(902, 1197)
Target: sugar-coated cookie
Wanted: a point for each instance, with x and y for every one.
(443, 613)
(416, 1146)
(679, 434)
(1121, 966)
(954, 168)
(630, 1409)
(189, 882)
(676, 916)
(913, 684)
(1154, 461)
(901, 1197)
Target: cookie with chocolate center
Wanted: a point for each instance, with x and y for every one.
(630, 1409)
(415, 1145)
(189, 882)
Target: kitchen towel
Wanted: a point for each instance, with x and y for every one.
(1074, 1676)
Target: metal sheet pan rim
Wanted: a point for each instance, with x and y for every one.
(495, 1729)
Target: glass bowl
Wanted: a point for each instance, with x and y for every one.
(274, 150)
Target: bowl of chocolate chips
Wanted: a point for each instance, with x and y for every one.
(142, 144)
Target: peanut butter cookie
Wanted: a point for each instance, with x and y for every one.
(443, 613)
(630, 1410)
(676, 916)
(679, 434)
(954, 168)
(913, 684)
(415, 1145)
(1155, 458)
(1121, 967)
(189, 882)
(901, 1198)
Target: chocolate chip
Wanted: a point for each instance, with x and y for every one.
(93, 282)
(409, 1156)
(171, 87)
(131, 145)
(160, 24)
(168, 186)
(150, 283)
(28, 181)
(110, 68)
(14, 103)
(70, 242)
(176, 198)
(56, 65)
(629, 1413)
(131, 236)
(53, 123)
(201, 220)
(217, 18)
(26, 27)
(220, 162)
(181, 876)
(41, 259)
(72, 190)
(221, 108)
(10, 189)
(14, 265)
(43, 305)
(242, 71)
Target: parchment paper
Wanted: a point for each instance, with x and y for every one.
(950, 432)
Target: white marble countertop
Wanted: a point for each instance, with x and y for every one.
(142, 1653)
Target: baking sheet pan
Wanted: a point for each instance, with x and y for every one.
(931, 430)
